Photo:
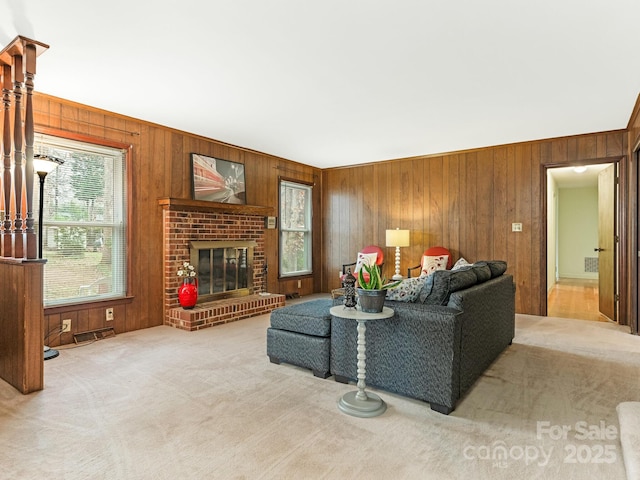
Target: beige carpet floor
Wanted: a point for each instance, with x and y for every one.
(167, 404)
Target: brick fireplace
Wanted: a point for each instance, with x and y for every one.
(189, 222)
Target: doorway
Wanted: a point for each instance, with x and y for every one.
(581, 256)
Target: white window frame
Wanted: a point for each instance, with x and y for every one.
(308, 229)
(46, 143)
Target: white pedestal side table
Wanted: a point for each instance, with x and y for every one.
(361, 403)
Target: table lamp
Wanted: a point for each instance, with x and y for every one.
(397, 238)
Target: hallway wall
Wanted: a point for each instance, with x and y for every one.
(577, 231)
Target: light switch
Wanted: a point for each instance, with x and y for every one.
(516, 227)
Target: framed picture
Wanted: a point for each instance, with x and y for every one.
(217, 180)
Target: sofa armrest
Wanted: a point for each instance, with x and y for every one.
(488, 325)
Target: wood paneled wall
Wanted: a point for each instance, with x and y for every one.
(21, 322)
(160, 167)
(465, 201)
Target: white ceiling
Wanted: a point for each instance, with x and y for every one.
(340, 82)
(567, 177)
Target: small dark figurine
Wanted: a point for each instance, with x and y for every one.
(349, 285)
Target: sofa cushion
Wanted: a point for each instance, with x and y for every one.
(462, 278)
(497, 267)
(441, 283)
(310, 318)
(408, 290)
(482, 271)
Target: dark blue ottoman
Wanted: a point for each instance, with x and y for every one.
(301, 335)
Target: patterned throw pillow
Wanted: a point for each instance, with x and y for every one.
(365, 259)
(407, 291)
(432, 263)
(460, 263)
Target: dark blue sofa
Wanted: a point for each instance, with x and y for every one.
(436, 350)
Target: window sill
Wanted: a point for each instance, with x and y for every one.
(296, 277)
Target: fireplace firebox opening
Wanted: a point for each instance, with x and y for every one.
(225, 268)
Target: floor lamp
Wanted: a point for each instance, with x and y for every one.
(44, 164)
(397, 238)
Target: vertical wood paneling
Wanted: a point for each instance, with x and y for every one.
(572, 149)
(523, 215)
(538, 282)
(415, 207)
(344, 240)
(484, 204)
(404, 219)
(455, 200)
(356, 197)
(510, 213)
(435, 207)
(424, 211)
(498, 247)
(21, 325)
(467, 204)
(160, 167)
(472, 205)
(559, 153)
(587, 147)
(466, 201)
(387, 202)
(614, 145)
(601, 145)
(143, 172)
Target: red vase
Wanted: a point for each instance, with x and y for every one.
(188, 293)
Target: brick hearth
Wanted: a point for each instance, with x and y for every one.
(188, 220)
(223, 311)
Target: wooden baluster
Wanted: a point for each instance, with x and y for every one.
(30, 68)
(1, 199)
(18, 79)
(7, 250)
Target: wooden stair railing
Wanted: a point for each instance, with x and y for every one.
(18, 68)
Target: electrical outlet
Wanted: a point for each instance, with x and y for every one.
(66, 325)
(109, 314)
(516, 227)
(299, 283)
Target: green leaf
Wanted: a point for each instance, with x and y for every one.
(392, 284)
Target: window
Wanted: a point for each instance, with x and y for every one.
(83, 238)
(295, 228)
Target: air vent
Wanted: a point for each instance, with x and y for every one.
(93, 335)
(591, 264)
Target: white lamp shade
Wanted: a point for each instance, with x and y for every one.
(45, 163)
(397, 238)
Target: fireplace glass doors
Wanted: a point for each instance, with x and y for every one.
(225, 269)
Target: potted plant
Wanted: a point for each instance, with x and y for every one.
(372, 288)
